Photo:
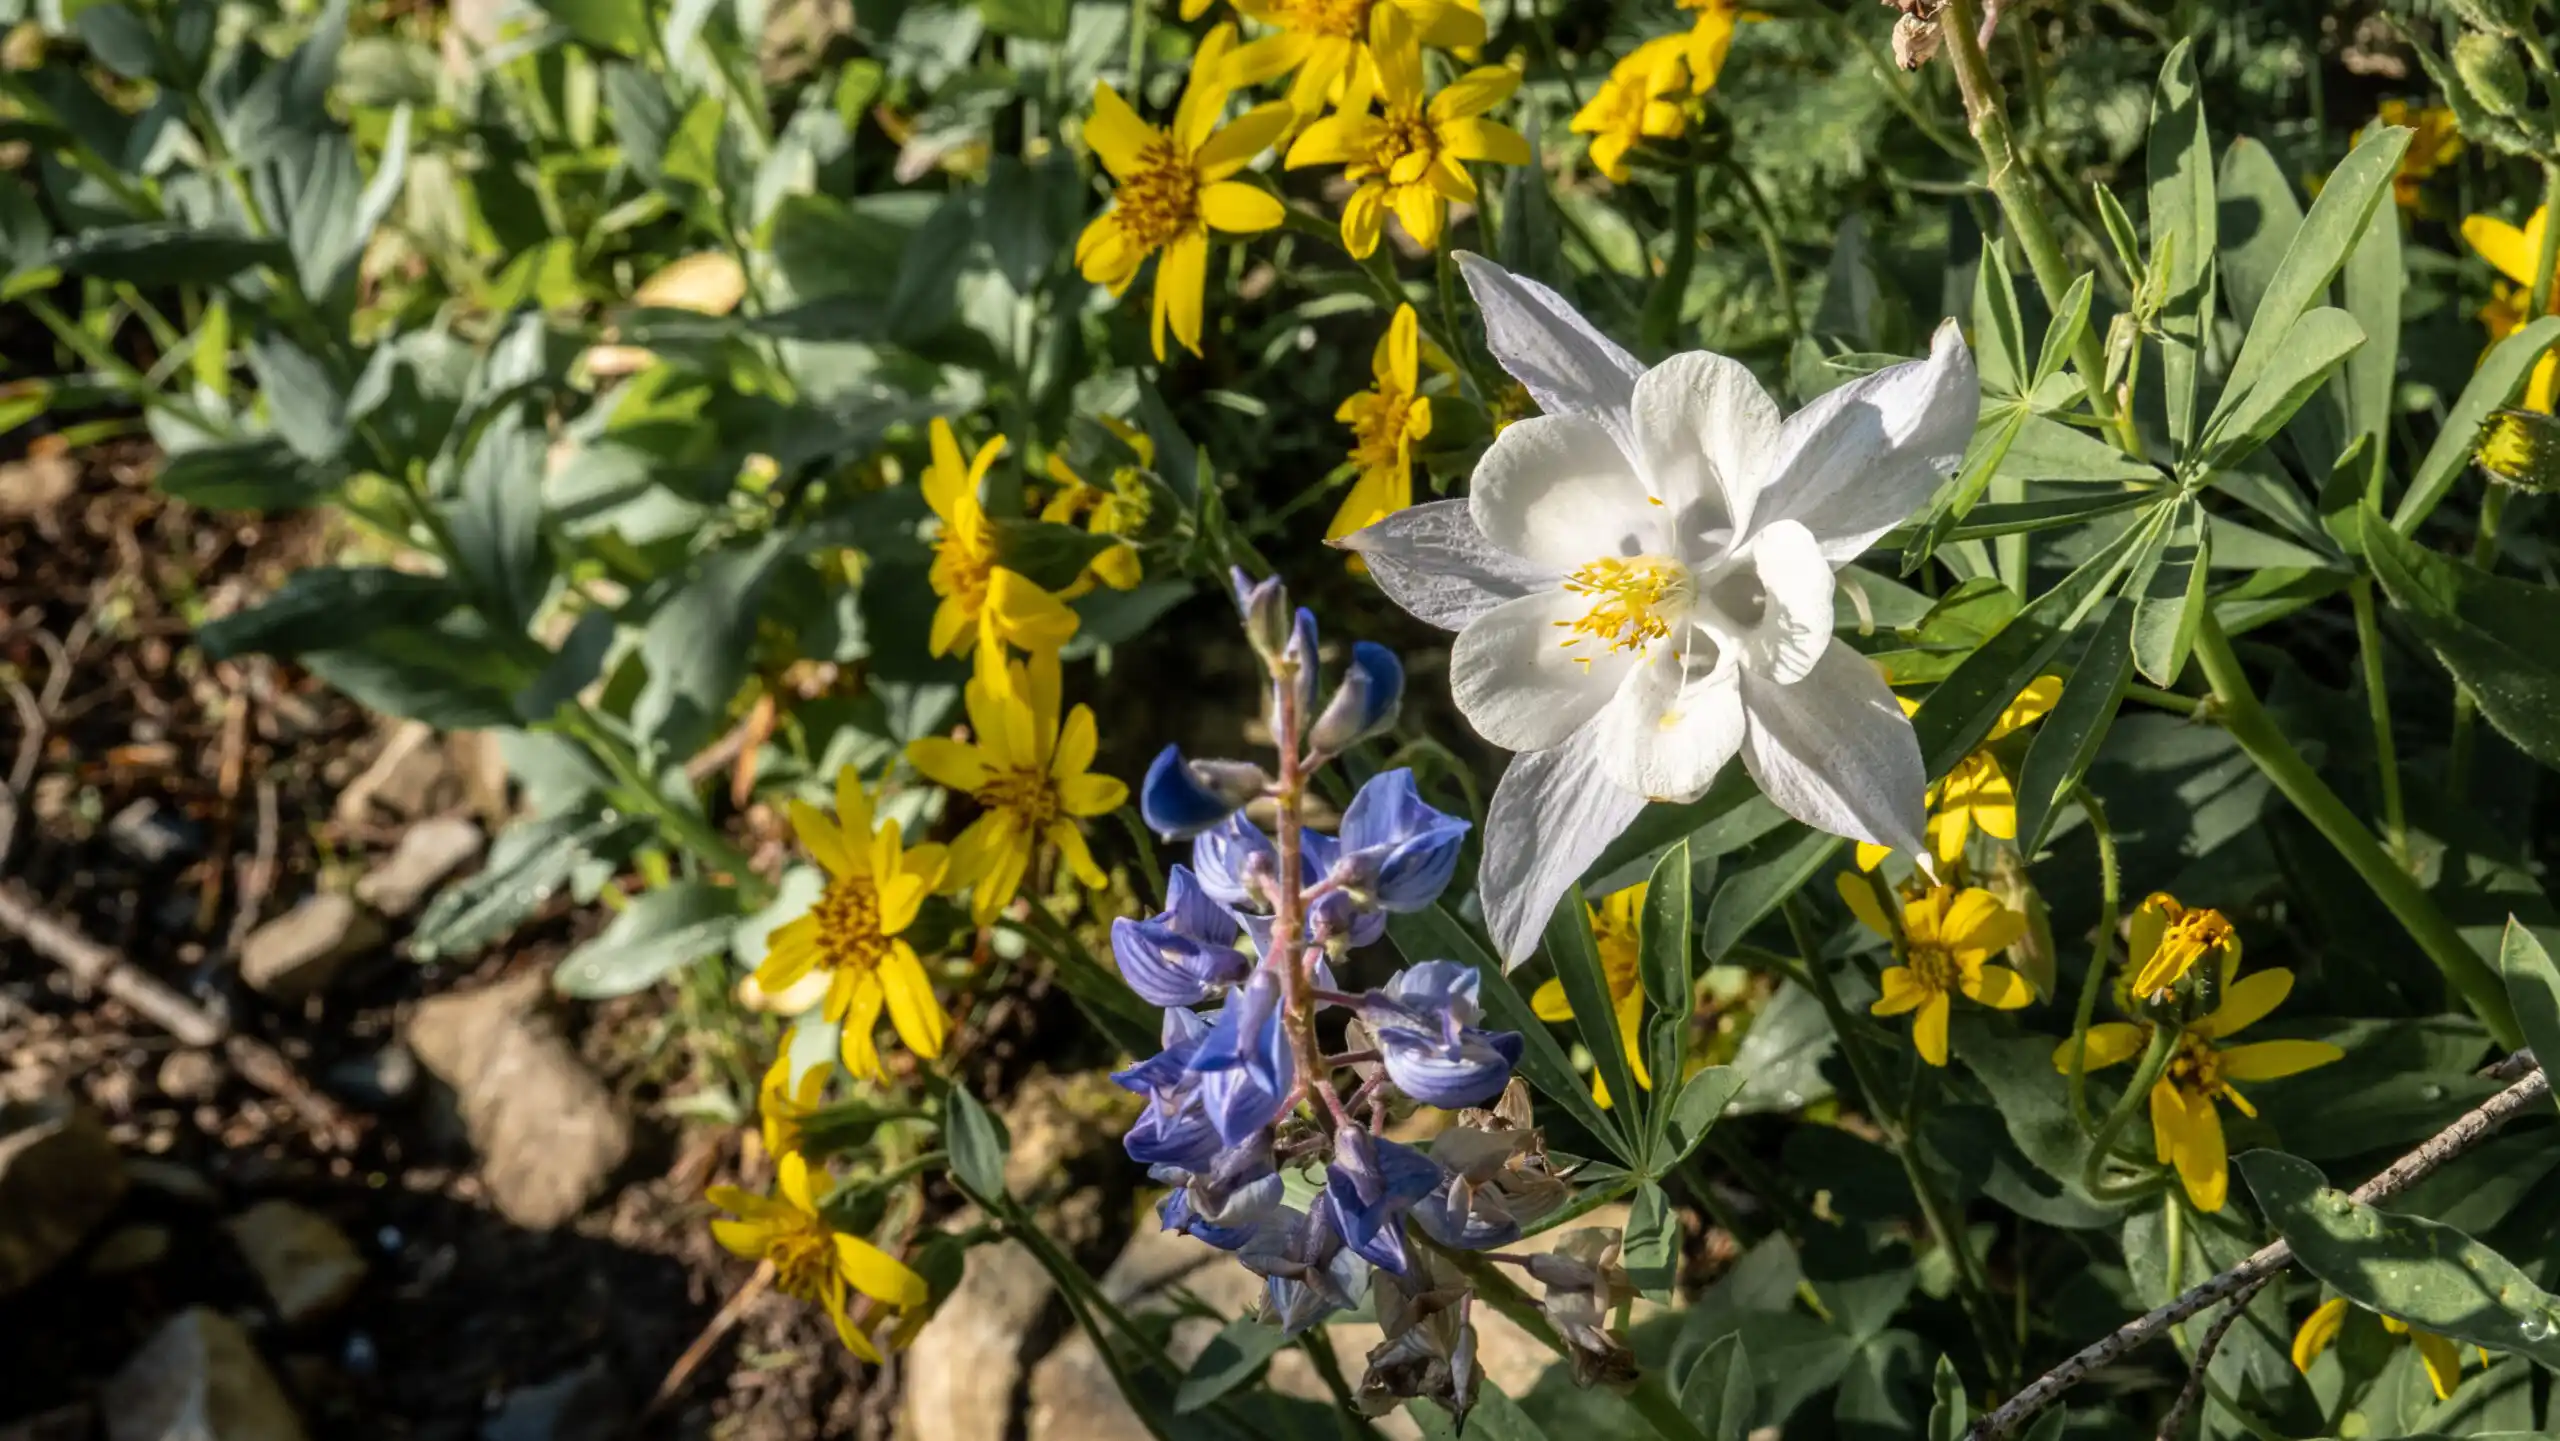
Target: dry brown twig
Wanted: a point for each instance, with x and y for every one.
(2244, 1278)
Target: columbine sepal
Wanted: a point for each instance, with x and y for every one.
(1185, 955)
(1180, 798)
(1424, 1021)
(1364, 704)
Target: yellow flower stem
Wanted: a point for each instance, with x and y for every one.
(2386, 751)
(2110, 900)
(1141, 16)
(1988, 118)
(687, 829)
(1379, 272)
(2238, 709)
(1945, 1222)
(1659, 329)
(2167, 700)
(2137, 1094)
(1772, 244)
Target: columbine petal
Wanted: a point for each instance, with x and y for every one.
(1796, 588)
(1516, 682)
(1835, 751)
(1553, 813)
(1568, 367)
(1675, 721)
(1434, 560)
(1860, 459)
(1556, 490)
(1705, 431)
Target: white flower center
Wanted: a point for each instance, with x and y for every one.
(1634, 602)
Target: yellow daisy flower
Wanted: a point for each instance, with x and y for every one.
(1977, 794)
(2186, 1129)
(812, 1260)
(874, 887)
(782, 1106)
(1028, 774)
(1173, 189)
(1117, 509)
(2441, 1357)
(2165, 940)
(1947, 940)
(1323, 43)
(1411, 158)
(2437, 141)
(985, 606)
(1617, 926)
(1639, 101)
(2512, 252)
(1710, 40)
(1385, 420)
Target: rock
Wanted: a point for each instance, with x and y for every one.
(198, 1379)
(428, 852)
(33, 487)
(190, 1075)
(59, 1177)
(299, 953)
(548, 1133)
(378, 1080)
(964, 1369)
(307, 1265)
(583, 1405)
(150, 833)
(128, 1249)
(410, 777)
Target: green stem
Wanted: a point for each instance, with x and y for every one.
(2155, 1060)
(1661, 324)
(2110, 899)
(2257, 734)
(1772, 244)
(2466, 707)
(1141, 13)
(2386, 753)
(2013, 185)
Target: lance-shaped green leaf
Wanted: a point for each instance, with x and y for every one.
(2318, 249)
(2423, 1272)
(1694, 1112)
(2374, 281)
(2068, 740)
(2533, 984)
(2070, 317)
(2168, 595)
(2000, 333)
(1432, 934)
(1717, 1396)
(1776, 868)
(2258, 217)
(1949, 1409)
(1234, 1356)
(1652, 1250)
(2499, 378)
(654, 935)
(976, 1143)
(2314, 345)
(1576, 953)
(2183, 229)
(1663, 966)
(2047, 449)
(2494, 634)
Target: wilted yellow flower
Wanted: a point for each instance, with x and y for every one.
(1385, 420)
(1029, 774)
(874, 887)
(782, 1106)
(2441, 1357)
(812, 1260)
(2437, 141)
(1948, 939)
(1977, 793)
(985, 606)
(1325, 41)
(2165, 940)
(1641, 100)
(2512, 253)
(1119, 508)
(1710, 40)
(2186, 1128)
(1617, 927)
(1172, 189)
(1410, 158)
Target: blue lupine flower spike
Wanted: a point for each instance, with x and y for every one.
(1184, 956)
(1396, 852)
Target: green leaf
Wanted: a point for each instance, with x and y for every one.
(655, 934)
(2000, 334)
(1776, 867)
(327, 607)
(1048, 555)
(1107, 617)
(529, 863)
(2317, 252)
(304, 401)
(495, 518)
(1576, 954)
(453, 676)
(2533, 984)
(1030, 19)
(1718, 1394)
(699, 644)
(2495, 383)
(2168, 596)
(1949, 1409)
(1694, 1112)
(2375, 281)
(2067, 740)
(1652, 1251)
(120, 40)
(2028, 516)
(2422, 1272)
(1432, 934)
(2183, 220)
(2069, 319)
(2047, 449)
(262, 473)
(1234, 1356)
(163, 253)
(1664, 968)
(2314, 344)
(2258, 217)
(618, 26)
(2494, 634)
(976, 1143)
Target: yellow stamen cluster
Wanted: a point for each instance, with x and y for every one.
(1633, 602)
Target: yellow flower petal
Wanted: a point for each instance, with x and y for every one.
(1929, 1032)
(2443, 1361)
(2271, 1060)
(2197, 1151)
(1484, 140)
(1474, 93)
(1236, 144)
(1364, 217)
(1999, 988)
(2245, 1002)
(1631, 1034)
(860, 1014)
(740, 1238)
(1181, 276)
(820, 838)
(1079, 857)
(912, 1008)
(2111, 1043)
(791, 1179)
(1976, 922)
(1548, 1002)
(1903, 991)
(1861, 900)
(1116, 133)
(2319, 1331)
(1240, 209)
(2511, 251)
(876, 1273)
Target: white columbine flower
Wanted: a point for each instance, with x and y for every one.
(1641, 582)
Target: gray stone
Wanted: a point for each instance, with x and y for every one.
(297, 955)
(189, 1075)
(308, 1266)
(582, 1405)
(198, 1379)
(151, 833)
(428, 852)
(377, 1080)
(548, 1133)
(964, 1369)
(59, 1178)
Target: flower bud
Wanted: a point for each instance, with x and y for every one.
(1264, 604)
(1185, 797)
(1301, 657)
(2521, 448)
(1364, 704)
(2492, 72)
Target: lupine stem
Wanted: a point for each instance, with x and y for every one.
(2110, 899)
(2238, 709)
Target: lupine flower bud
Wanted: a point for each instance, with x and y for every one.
(1302, 655)
(1264, 604)
(2490, 68)
(1364, 705)
(1182, 797)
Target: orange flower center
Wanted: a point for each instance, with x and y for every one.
(1378, 424)
(803, 1258)
(1161, 201)
(962, 565)
(849, 936)
(1404, 130)
(1024, 792)
(1934, 967)
(2197, 1069)
(1346, 19)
